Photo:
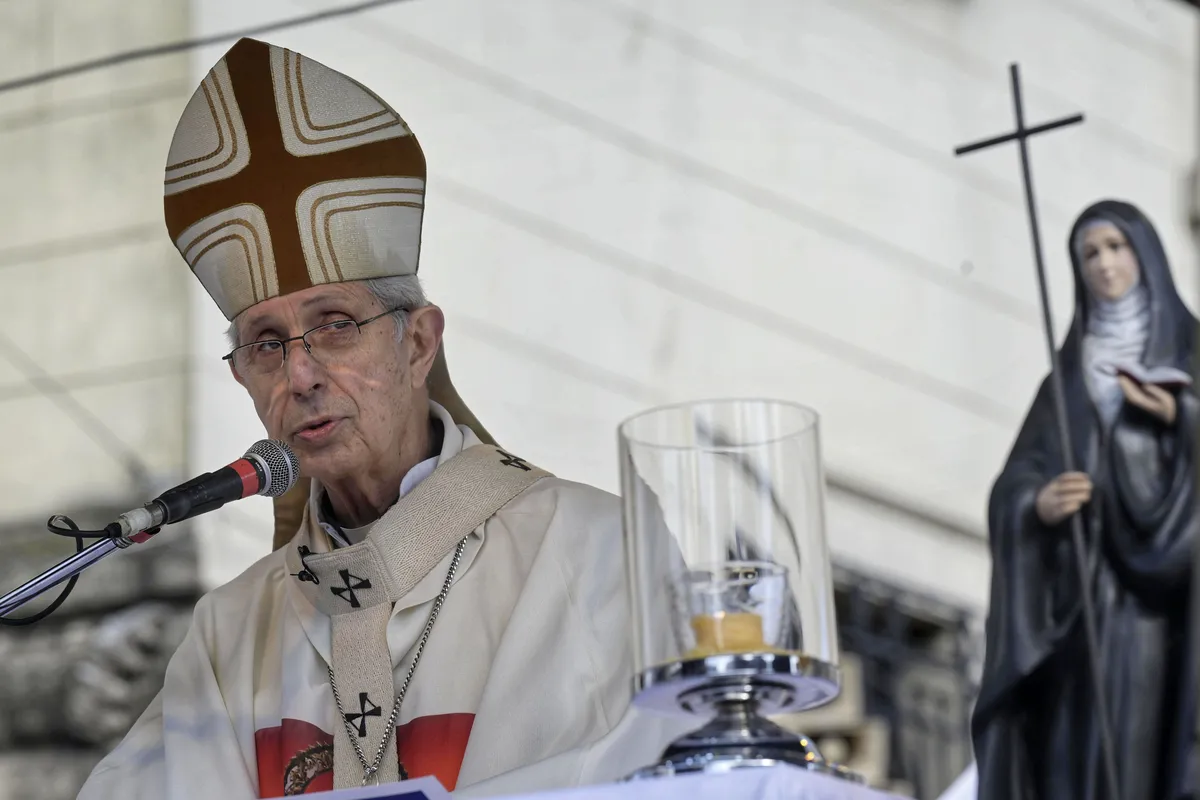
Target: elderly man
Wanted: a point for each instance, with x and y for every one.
(444, 608)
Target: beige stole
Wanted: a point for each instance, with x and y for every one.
(356, 586)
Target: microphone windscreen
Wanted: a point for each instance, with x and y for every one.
(280, 464)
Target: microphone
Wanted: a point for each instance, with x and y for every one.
(268, 468)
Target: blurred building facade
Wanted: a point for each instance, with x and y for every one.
(93, 376)
(632, 203)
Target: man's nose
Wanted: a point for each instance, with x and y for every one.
(305, 374)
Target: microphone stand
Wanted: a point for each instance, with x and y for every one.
(69, 568)
(269, 467)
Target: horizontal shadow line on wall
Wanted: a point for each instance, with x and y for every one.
(781, 205)
(975, 403)
(564, 363)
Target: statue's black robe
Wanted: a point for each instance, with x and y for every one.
(1034, 725)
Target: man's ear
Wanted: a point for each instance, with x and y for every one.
(424, 334)
(237, 376)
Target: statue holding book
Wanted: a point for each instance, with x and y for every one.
(1132, 414)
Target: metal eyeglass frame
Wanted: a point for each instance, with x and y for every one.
(302, 338)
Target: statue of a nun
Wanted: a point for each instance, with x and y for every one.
(1034, 726)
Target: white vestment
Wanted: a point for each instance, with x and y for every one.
(524, 684)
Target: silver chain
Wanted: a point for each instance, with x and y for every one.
(370, 770)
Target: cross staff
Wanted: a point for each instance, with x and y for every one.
(1021, 137)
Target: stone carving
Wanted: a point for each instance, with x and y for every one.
(73, 684)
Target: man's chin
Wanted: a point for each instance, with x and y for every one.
(324, 464)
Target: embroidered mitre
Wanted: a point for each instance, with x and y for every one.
(285, 174)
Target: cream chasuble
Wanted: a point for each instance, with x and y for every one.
(525, 678)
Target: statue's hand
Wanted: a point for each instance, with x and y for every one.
(1150, 398)
(1062, 497)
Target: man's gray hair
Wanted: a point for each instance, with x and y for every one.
(400, 291)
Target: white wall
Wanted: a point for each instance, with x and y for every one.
(633, 202)
(93, 324)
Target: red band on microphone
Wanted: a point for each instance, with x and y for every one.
(249, 476)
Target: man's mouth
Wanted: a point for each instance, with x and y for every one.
(316, 428)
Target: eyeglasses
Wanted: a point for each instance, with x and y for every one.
(324, 343)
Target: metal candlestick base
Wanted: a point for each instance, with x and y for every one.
(736, 736)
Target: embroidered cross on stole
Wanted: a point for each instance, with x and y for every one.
(356, 586)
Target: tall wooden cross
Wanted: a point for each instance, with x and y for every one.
(1021, 137)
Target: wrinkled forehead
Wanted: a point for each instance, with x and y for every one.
(307, 305)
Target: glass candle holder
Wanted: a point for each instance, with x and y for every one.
(724, 524)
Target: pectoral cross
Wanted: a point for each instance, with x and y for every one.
(1021, 137)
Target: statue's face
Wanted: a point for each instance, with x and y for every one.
(1110, 267)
